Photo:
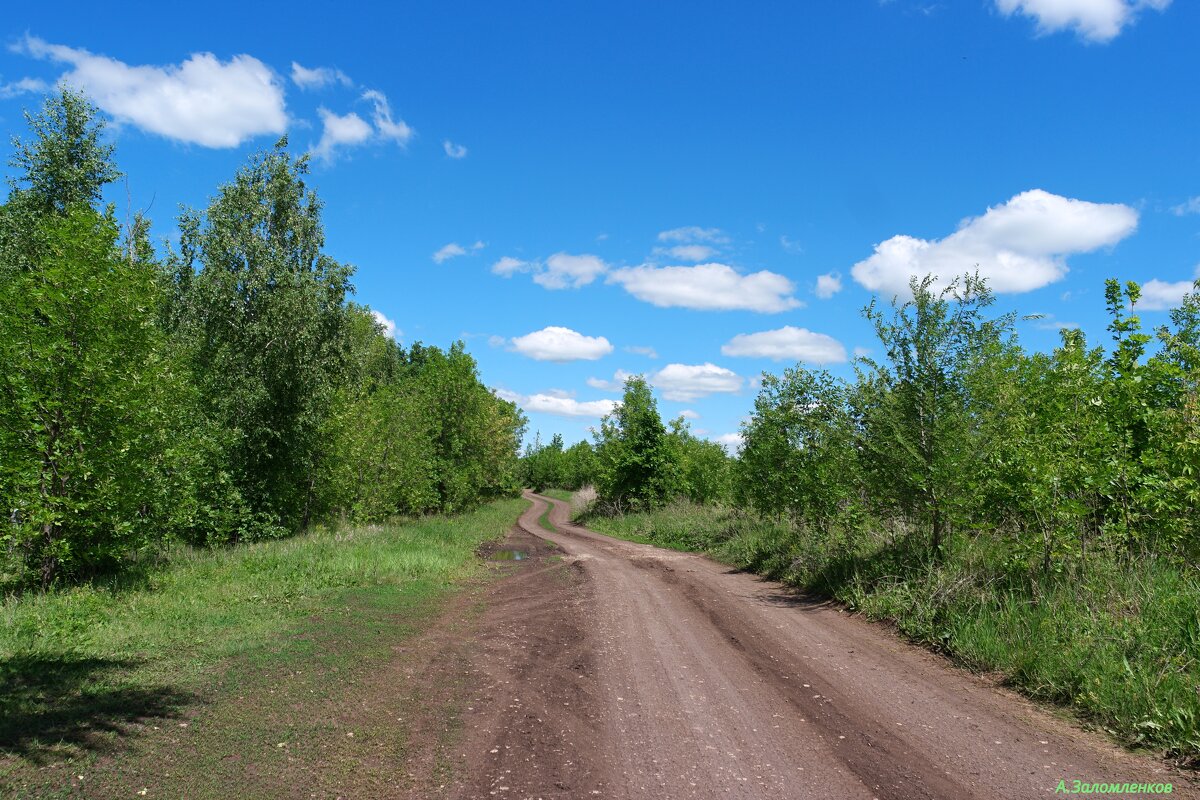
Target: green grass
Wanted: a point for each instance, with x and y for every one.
(1119, 642)
(79, 666)
(558, 494)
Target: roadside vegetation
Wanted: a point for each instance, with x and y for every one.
(84, 666)
(222, 391)
(1032, 514)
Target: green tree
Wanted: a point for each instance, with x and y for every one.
(89, 459)
(264, 320)
(798, 452)
(66, 163)
(916, 408)
(637, 468)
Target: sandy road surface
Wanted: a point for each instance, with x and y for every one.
(639, 672)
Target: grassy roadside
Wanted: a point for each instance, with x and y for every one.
(1117, 643)
(88, 674)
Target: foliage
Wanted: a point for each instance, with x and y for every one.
(87, 441)
(231, 393)
(264, 326)
(637, 467)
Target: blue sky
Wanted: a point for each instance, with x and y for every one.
(698, 191)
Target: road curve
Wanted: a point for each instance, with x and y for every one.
(717, 683)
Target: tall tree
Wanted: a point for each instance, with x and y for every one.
(87, 453)
(637, 467)
(916, 401)
(264, 317)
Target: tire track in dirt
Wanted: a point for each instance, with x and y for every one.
(626, 671)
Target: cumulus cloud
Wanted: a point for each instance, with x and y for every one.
(617, 384)
(561, 344)
(509, 266)
(828, 285)
(202, 100)
(687, 413)
(648, 352)
(1017, 247)
(559, 271)
(318, 77)
(1092, 20)
(1164, 295)
(339, 131)
(687, 252)
(568, 407)
(732, 442)
(454, 150)
(708, 287)
(686, 382)
(692, 234)
(787, 344)
(23, 86)
(557, 403)
(1189, 206)
(394, 130)
(564, 271)
(453, 250)
(389, 327)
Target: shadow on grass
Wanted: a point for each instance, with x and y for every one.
(51, 704)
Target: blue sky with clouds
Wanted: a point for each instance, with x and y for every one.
(698, 191)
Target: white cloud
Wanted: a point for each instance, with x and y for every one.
(202, 100)
(732, 442)
(691, 234)
(862, 352)
(787, 343)
(828, 285)
(648, 352)
(339, 131)
(508, 266)
(560, 271)
(687, 252)
(389, 327)
(1163, 295)
(686, 382)
(23, 86)
(564, 271)
(1017, 247)
(710, 287)
(561, 344)
(687, 413)
(791, 245)
(454, 150)
(509, 395)
(567, 407)
(1189, 206)
(452, 250)
(558, 404)
(496, 341)
(1093, 20)
(617, 384)
(318, 77)
(387, 128)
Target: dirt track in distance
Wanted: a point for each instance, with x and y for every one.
(613, 669)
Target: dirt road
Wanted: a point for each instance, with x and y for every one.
(614, 669)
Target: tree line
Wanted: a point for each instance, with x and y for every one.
(954, 429)
(225, 390)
